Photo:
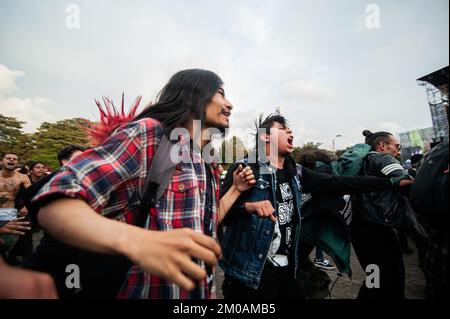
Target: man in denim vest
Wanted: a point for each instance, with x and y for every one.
(260, 246)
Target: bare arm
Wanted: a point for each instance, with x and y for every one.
(25, 181)
(227, 201)
(243, 179)
(164, 253)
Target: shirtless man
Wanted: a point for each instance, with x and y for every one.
(32, 284)
(10, 182)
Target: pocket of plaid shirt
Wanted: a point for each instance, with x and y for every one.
(180, 206)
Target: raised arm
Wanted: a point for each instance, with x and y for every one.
(243, 180)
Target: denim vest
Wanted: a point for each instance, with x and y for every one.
(247, 238)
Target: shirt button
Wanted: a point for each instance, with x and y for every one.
(260, 256)
(267, 232)
(181, 187)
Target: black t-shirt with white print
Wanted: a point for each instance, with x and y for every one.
(283, 234)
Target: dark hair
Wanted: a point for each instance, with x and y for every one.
(66, 152)
(34, 164)
(416, 158)
(265, 125)
(307, 159)
(310, 157)
(29, 163)
(373, 139)
(23, 170)
(269, 121)
(184, 97)
(9, 153)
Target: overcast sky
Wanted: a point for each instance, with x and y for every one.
(331, 66)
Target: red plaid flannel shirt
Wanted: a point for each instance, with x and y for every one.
(110, 178)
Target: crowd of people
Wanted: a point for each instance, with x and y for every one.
(140, 211)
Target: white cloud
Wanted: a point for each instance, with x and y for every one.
(269, 53)
(316, 89)
(393, 128)
(33, 111)
(8, 80)
(307, 91)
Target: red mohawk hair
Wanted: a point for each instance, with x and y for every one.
(110, 119)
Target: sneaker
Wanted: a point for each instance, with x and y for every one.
(324, 264)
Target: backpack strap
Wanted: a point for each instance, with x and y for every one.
(365, 165)
(158, 178)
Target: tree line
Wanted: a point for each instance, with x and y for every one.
(44, 144)
(49, 138)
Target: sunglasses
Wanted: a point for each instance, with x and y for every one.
(397, 146)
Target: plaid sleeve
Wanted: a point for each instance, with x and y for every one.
(108, 177)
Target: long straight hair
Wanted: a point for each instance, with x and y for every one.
(183, 98)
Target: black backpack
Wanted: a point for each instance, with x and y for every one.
(429, 193)
(102, 275)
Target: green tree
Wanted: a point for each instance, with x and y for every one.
(51, 137)
(232, 150)
(12, 139)
(296, 153)
(309, 146)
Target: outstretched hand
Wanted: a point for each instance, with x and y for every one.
(168, 254)
(405, 182)
(15, 227)
(402, 181)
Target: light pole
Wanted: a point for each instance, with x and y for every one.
(334, 141)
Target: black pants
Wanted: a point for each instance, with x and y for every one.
(23, 246)
(403, 240)
(276, 283)
(378, 245)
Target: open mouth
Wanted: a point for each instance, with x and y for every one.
(226, 113)
(291, 141)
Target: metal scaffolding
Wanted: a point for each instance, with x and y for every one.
(436, 86)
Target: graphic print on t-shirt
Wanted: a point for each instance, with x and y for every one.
(286, 207)
(282, 237)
